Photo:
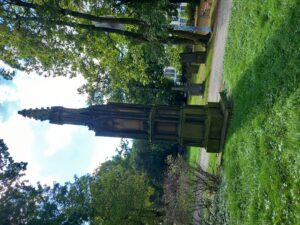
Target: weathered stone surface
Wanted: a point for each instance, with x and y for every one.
(189, 125)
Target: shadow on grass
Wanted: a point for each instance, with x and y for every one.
(260, 160)
(272, 77)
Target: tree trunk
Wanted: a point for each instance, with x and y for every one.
(184, 37)
(129, 34)
(100, 19)
(192, 36)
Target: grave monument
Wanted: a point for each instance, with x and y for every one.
(202, 126)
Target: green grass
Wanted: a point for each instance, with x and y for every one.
(261, 72)
(212, 163)
(193, 156)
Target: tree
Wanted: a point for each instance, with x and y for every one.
(13, 206)
(21, 203)
(52, 24)
(117, 193)
(170, 2)
(61, 38)
(122, 196)
(181, 184)
(60, 12)
(7, 74)
(73, 199)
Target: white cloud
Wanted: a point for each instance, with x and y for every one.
(57, 138)
(20, 139)
(36, 91)
(8, 93)
(104, 148)
(48, 180)
(41, 144)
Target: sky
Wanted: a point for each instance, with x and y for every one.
(54, 153)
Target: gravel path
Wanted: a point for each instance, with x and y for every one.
(216, 76)
(215, 81)
(220, 35)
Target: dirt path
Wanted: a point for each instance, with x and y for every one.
(215, 81)
(220, 36)
(216, 76)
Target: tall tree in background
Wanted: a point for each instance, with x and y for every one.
(63, 38)
(22, 203)
(19, 202)
(122, 196)
(58, 10)
(115, 194)
(11, 199)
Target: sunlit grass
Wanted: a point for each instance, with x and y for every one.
(193, 154)
(261, 71)
(212, 163)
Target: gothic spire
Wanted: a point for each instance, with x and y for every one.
(38, 114)
(59, 115)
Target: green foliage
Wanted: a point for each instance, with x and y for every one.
(182, 183)
(19, 201)
(179, 199)
(261, 156)
(193, 156)
(218, 214)
(121, 196)
(10, 174)
(115, 194)
(22, 203)
(150, 159)
(124, 190)
(7, 74)
(59, 39)
(10, 171)
(173, 54)
(73, 200)
(190, 13)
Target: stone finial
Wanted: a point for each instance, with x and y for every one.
(38, 114)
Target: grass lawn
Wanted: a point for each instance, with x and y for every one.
(193, 156)
(213, 163)
(262, 74)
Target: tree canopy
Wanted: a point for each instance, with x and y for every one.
(123, 190)
(122, 196)
(114, 53)
(21, 203)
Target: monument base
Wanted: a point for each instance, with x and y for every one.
(205, 126)
(218, 146)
